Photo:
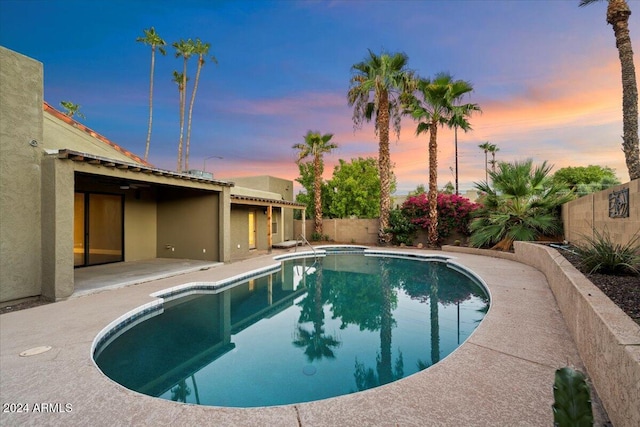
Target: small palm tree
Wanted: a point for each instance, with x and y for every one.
(459, 120)
(437, 106)
(618, 13)
(493, 149)
(183, 49)
(486, 147)
(152, 39)
(376, 85)
(522, 204)
(316, 145)
(202, 50)
(72, 109)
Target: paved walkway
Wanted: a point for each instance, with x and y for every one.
(502, 376)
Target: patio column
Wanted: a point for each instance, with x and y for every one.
(269, 233)
(304, 222)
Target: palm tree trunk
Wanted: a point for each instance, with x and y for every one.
(153, 63)
(183, 99)
(486, 166)
(618, 13)
(193, 98)
(433, 185)
(384, 165)
(317, 196)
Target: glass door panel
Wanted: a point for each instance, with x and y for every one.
(78, 229)
(105, 229)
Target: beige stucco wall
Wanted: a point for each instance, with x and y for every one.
(240, 228)
(239, 231)
(21, 89)
(580, 216)
(57, 229)
(188, 225)
(361, 231)
(59, 135)
(281, 186)
(140, 226)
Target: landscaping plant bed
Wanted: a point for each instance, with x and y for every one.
(624, 291)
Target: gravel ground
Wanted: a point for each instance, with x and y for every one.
(622, 290)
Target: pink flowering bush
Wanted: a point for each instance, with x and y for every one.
(454, 213)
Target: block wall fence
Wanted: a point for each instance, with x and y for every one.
(581, 216)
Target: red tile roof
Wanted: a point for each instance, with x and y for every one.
(61, 116)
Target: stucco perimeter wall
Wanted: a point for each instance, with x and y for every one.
(582, 215)
(362, 231)
(607, 339)
(21, 91)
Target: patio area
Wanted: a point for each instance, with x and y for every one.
(502, 375)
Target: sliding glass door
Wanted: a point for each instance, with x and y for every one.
(98, 229)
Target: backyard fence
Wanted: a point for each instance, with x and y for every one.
(615, 211)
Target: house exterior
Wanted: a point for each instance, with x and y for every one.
(70, 198)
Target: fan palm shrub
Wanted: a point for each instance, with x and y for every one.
(521, 204)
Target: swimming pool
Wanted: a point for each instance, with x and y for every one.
(313, 326)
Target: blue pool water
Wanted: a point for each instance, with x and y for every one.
(309, 330)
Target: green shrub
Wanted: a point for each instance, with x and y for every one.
(401, 228)
(602, 255)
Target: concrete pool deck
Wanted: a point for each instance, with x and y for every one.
(502, 376)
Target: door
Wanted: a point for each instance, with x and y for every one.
(98, 229)
(252, 229)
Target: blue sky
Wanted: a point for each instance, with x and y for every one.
(545, 73)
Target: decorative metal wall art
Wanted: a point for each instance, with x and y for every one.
(619, 204)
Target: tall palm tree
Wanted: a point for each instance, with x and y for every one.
(72, 109)
(315, 145)
(493, 149)
(183, 49)
(178, 78)
(376, 86)
(486, 146)
(459, 120)
(618, 13)
(202, 50)
(152, 39)
(437, 106)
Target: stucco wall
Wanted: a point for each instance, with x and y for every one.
(59, 135)
(21, 89)
(188, 224)
(57, 229)
(580, 216)
(140, 226)
(362, 231)
(239, 231)
(281, 186)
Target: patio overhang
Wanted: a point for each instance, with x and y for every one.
(144, 173)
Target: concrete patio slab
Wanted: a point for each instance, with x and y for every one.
(502, 375)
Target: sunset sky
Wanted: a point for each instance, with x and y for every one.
(545, 73)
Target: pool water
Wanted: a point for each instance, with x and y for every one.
(313, 329)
